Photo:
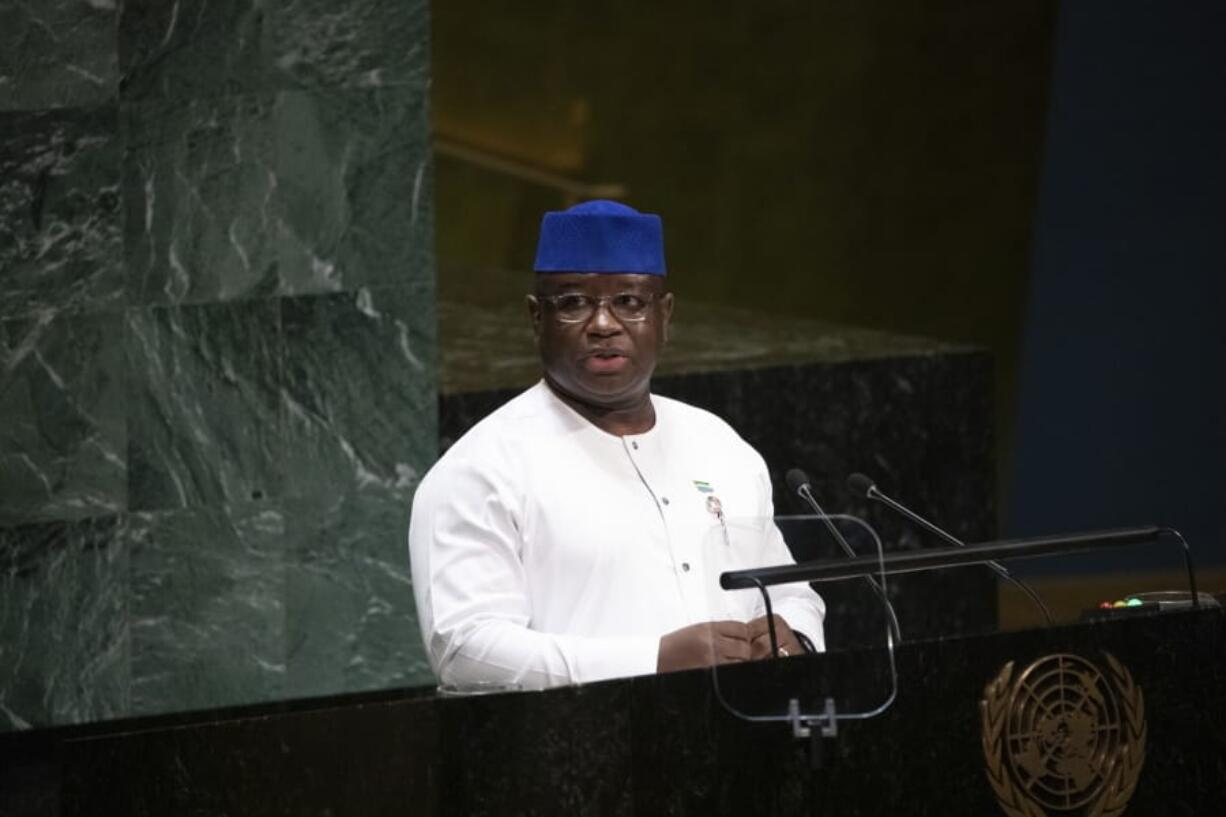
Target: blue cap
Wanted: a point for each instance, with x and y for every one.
(601, 236)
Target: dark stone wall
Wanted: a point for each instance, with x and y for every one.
(915, 414)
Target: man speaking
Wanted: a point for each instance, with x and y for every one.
(562, 539)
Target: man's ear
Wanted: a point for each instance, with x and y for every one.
(666, 314)
(534, 313)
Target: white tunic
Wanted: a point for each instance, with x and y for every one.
(546, 551)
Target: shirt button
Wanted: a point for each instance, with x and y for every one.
(685, 567)
(664, 499)
(634, 445)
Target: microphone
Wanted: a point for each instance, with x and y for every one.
(798, 483)
(865, 487)
(797, 480)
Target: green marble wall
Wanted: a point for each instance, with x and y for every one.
(217, 351)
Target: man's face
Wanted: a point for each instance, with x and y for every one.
(602, 362)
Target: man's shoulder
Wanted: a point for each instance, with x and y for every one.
(692, 417)
(704, 428)
(495, 437)
(522, 412)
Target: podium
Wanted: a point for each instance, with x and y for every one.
(652, 745)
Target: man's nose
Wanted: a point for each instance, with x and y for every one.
(603, 321)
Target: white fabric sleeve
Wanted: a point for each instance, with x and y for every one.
(798, 604)
(472, 599)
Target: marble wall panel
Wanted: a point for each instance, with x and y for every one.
(203, 407)
(292, 193)
(57, 53)
(353, 190)
(208, 618)
(361, 423)
(351, 620)
(359, 393)
(191, 49)
(187, 175)
(199, 187)
(63, 432)
(60, 220)
(358, 44)
(202, 48)
(63, 623)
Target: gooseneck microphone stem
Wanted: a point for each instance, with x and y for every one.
(770, 617)
(800, 483)
(862, 484)
(873, 493)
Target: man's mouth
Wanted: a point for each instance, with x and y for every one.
(605, 360)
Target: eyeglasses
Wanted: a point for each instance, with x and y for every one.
(574, 307)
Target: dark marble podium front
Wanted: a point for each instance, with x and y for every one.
(654, 745)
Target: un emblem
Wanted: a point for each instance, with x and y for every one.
(1063, 736)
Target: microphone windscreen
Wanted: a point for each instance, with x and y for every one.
(796, 479)
(859, 484)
